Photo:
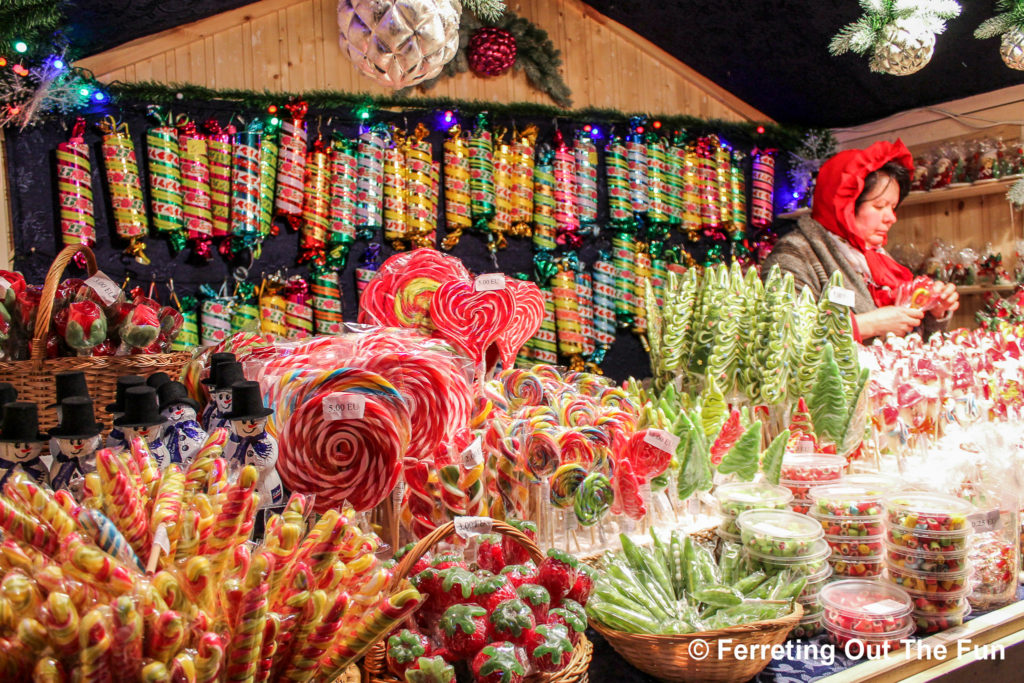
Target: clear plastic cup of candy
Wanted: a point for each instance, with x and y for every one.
(935, 621)
(848, 526)
(779, 533)
(857, 567)
(856, 546)
(801, 506)
(736, 498)
(874, 481)
(813, 468)
(845, 500)
(867, 610)
(812, 606)
(936, 603)
(869, 646)
(935, 583)
(925, 511)
(926, 560)
(995, 562)
(926, 540)
(813, 564)
(726, 536)
(807, 627)
(815, 583)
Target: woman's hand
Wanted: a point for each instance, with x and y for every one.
(948, 299)
(899, 320)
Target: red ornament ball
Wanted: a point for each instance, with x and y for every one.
(491, 52)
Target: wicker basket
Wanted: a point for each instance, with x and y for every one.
(677, 658)
(34, 378)
(575, 672)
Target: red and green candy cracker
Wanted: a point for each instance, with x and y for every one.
(245, 189)
(163, 162)
(126, 198)
(291, 167)
(195, 183)
(219, 153)
(269, 153)
(619, 205)
(343, 192)
(74, 189)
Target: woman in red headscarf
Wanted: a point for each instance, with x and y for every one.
(855, 201)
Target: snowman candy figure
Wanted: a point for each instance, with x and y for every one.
(68, 384)
(210, 382)
(182, 435)
(226, 375)
(21, 442)
(142, 419)
(77, 437)
(115, 439)
(250, 444)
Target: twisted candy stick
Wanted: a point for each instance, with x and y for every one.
(60, 618)
(198, 582)
(593, 498)
(94, 643)
(169, 589)
(420, 499)
(41, 501)
(230, 517)
(311, 606)
(197, 475)
(281, 544)
(127, 636)
(155, 672)
(307, 654)
(183, 667)
(209, 658)
(453, 497)
(127, 510)
(147, 468)
(247, 641)
(26, 528)
(168, 633)
(47, 670)
(91, 565)
(107, 536)
(356, 641)
(167, 508)
(269, 650)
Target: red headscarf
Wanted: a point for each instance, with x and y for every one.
(840, 182)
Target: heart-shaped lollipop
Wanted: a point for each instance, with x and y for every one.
(471, 319)
(526, 319)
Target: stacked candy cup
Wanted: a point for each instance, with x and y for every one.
(738, 497)
(876, 614)
(803, 472)
(851, 517)
(927, 538)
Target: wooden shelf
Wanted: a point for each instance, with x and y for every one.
(945, 194)
(981, 289)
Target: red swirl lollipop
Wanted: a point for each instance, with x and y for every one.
(470, 319)
(648, 453)
(527, 314)
(628, 500)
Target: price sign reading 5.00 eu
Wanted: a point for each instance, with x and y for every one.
(344, 406)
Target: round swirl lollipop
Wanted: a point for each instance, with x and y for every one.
(565, 482)
(539, 454)
(593, 498)
(522, 387)
(575, 446)
(470, 319)
(648, 459)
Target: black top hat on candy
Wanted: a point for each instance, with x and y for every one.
(124, 383)
(227, 375)
(70, 384)
(77, 420)
(215, 360)
(175, 392)
(140, 408)
(158, 379)
(21, 423)
(8, 394)
(247, 402)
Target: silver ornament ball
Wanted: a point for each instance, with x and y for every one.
(399, 43)
(1012, 49)
(904, 50)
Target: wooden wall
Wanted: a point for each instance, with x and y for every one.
(292, 45)
(967, 221)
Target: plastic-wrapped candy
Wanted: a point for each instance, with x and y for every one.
(171, 324)
(140, 329)
(523, 152)
(315, 205)
(395, 192)
(291, 167)
(566, 218)
(342, 223)
(370, 181)
(481, 172)
(195, 181)
(83, 326)
(74, 189)
(457, 212)
(125, 185)
(218, 146)
(421, 200)
(245, 191)
(164, 172)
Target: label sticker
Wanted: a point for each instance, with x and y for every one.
(398, 493)
(662, 440)
(344, 406)
(105, 288)
(4, 286)
(887, 606)
(842, 296)
(473, 455)
(489, 282)
(161, 539)
(468, 527)
(985, 521)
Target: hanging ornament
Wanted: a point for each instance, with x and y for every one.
(215, 316)
(291, 165)
(457, 211)
(737, 196)
(659, 209)
(368, 268)
(164, 174)
(219, 152)
(399, 43)
(125, 187)
(624, 261)
(762, 189)
(723, 166)
(395, 192)
(899, 34)
(1009, 25)
(370, 182)
(707, 183)
(641, 271)
(501, 223)
(691, 192)
(545, 343)
(188, 337)
(523, 151)
(342, 217)
(619, 204)
(195, 181)
(74, 190)
(491, 52)
(585, 297)
(421, 197)
(245, 191)
(567, 311)
(316, 205)
(636, 154)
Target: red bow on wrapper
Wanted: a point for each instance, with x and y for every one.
(840, 182)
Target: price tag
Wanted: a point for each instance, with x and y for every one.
(985, 521)
(4, 286)
(468, 527)
(842, 296)
(161, 539)
(887, 606)
(398, 493)
(344, 406)
(662, 440)
(473, 455)
(105, 288)
(489, 282)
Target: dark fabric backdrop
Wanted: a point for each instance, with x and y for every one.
(31, 167)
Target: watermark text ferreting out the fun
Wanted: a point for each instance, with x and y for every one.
(855, 649)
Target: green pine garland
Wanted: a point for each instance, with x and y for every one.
(868, 31)
(536, 55)
(32, 21)
(1011, 17)
(739, 134)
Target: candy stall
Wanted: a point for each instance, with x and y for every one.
(432, 341)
